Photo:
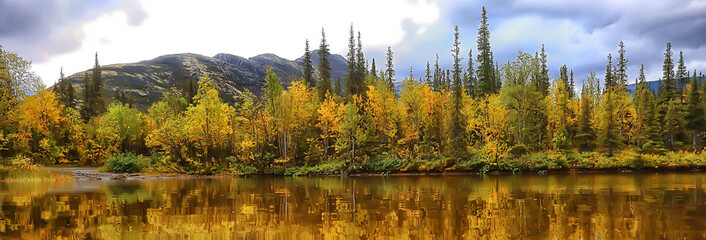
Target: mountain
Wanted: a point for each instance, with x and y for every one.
(147, 81)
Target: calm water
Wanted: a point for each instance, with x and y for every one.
(610, 206)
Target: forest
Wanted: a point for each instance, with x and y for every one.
(479, 115)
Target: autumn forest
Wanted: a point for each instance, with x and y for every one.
(479, 115)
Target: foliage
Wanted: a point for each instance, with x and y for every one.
(126, 163)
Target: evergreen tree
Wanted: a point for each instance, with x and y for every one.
(585, 137)
(351, 76)
(695, 120)
(308, 68)
(470, 76)
(609, 80)
(543, 83)
(373, 70)
(337, 87)
(65, 91)
(86, 112)
(94, 103)
(390, 72)
(621, 78)
(324, 84)
(458, 129)
(362, 66)
(564, 75)
(486, 72)
(427, 75)
(665, 96)
(681, 73)
(571, 87)
(438, 75)
(97, 80)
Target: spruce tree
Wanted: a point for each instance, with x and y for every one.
(543, 83)
(458, 130)
(97, 88)
(324, 84)
(351, 76)
(681, 74)
(564, 75)
(609, 80)
(571, 87)
(86, 112)
(373, 70)
(390, 72)
(470, 76)
(427, 75)
(362, 66)
(308, 73)
(695, 120)
(667, 93)
(621, 77)
(486, 71)
(438, 75)
(585, 137)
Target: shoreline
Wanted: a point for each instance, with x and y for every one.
(92, 173)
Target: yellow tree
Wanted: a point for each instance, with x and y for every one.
(208, 122)
(122, 129)
(256, 131)
(560, 117)
(351, 131)
(294, 115)
(487, 119)
(169, 136)
(38, 121)
(329, 122)
(416, 110)
(383, 110)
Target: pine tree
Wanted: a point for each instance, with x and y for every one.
(308, 68)
(86, 112)
(324, 84)
(543, 83)
(427, 75)
(470, 76)
(609, 80)
(564, 75)
(351, 76)
(667, 93)
(390, 72)
(362, 66)
(373, 70)
(694, 117)
(621, 77)
(458, 129)
(571, 88)
(486, 71)
(438, 75)
(585, 137)
(97, 80)
(94, 103)
(681, 73)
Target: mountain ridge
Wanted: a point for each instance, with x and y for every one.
(146, 81)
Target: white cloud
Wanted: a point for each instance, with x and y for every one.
(244, 28)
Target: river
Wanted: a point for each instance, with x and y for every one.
(567, 206)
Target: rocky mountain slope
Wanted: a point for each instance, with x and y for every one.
(147, 81)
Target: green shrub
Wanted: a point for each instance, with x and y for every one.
(126, 163)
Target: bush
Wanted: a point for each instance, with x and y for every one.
(21, 162)
(126, 163)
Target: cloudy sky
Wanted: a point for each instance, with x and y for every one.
(579, 33)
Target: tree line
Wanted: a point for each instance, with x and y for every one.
(478, 108)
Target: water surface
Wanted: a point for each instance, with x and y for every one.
(593, 206)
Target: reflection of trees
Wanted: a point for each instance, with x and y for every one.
(506, 207)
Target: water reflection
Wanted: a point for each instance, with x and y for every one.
(615, 206)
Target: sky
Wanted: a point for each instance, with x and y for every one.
(578, 33)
